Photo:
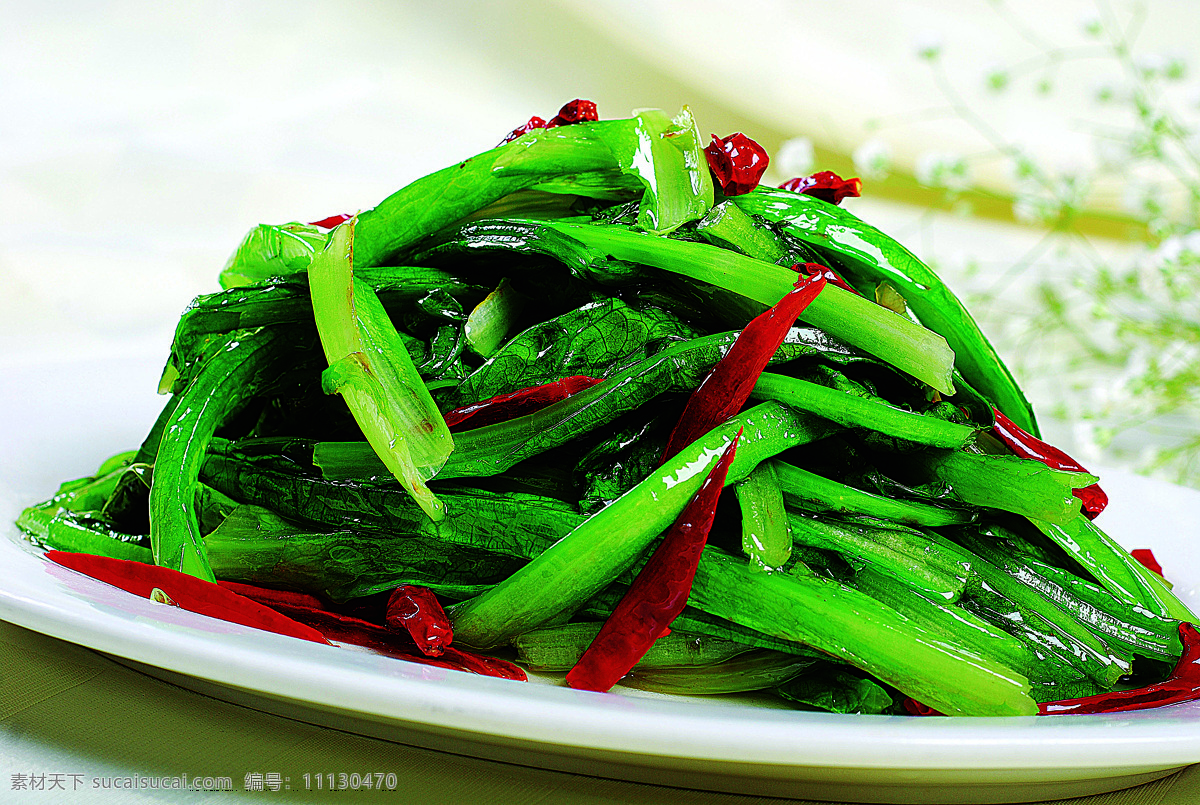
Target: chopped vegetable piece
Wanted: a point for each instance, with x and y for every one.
(1146, 557)
(737, 163)
(766, 538)
(332, 221)
(503, 407)
(1182, 686)
(1027, 445)
(187, 592)
(576, 111)
(417, 611)
(370, 367)
(659, 592)
(825, 185)
(727, 387)
(534, 122)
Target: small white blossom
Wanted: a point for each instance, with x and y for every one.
(873, 159)
(939, 169)
(795, 157)
(929, 45)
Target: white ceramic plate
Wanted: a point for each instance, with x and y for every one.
(60, 420)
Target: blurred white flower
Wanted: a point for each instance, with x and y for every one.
(996, 77)
(795, 157)
(1091, 24)
(1111, 154)
(929, 45)
(941, 169)
(873, 159)
(1175, 68)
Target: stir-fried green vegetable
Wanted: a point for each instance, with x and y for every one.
(556, 301)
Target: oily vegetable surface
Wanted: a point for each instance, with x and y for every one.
(880, 546)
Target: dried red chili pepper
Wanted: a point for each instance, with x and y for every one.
(727, 387)
(188, 592)
(916, 708)
(308, 609)
(535, 122)
(659, 592)
(825, 185)
(576, 111)
(1146, 557)
(503, 407)
(830, 275)
(269, 597)
(332, 221)
(417, 611)
(358, 632)
(1027, 445)
(737, 163)
(1182, 686)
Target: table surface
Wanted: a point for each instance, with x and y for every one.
(72, 720)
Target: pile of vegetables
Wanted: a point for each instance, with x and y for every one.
(488, 423)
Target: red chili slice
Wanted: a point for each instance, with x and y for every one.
(190, 593)
(831, 276)
(535, 122)
(267, 596)
(307, 609)
(825, 185)
(1182, 686)
(504, 407)
(417, 611)
(576, 111)
(727, 387)
(332, 221)
(659, 592)
(358, 632)
(1146, 557)
(737, 163)
(1027, 445)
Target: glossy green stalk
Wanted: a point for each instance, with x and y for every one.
(1125, 628)
(1069, 639)
(1113, 567)
(495, 448)
(807, 490)
(342, 562)
(490, 322)
(884, 550)
(1021, 486)
(730, 228)
(755, 670)
(664, 154)
(871, 255)
(586, 560)
(909, 347)
(370, 367)
(858, 629)
(513, 525)
(964, 628)
(230, 379)
(558, 648)
(766, 538)
(270, 250)
(859, 412)
(80, 532)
